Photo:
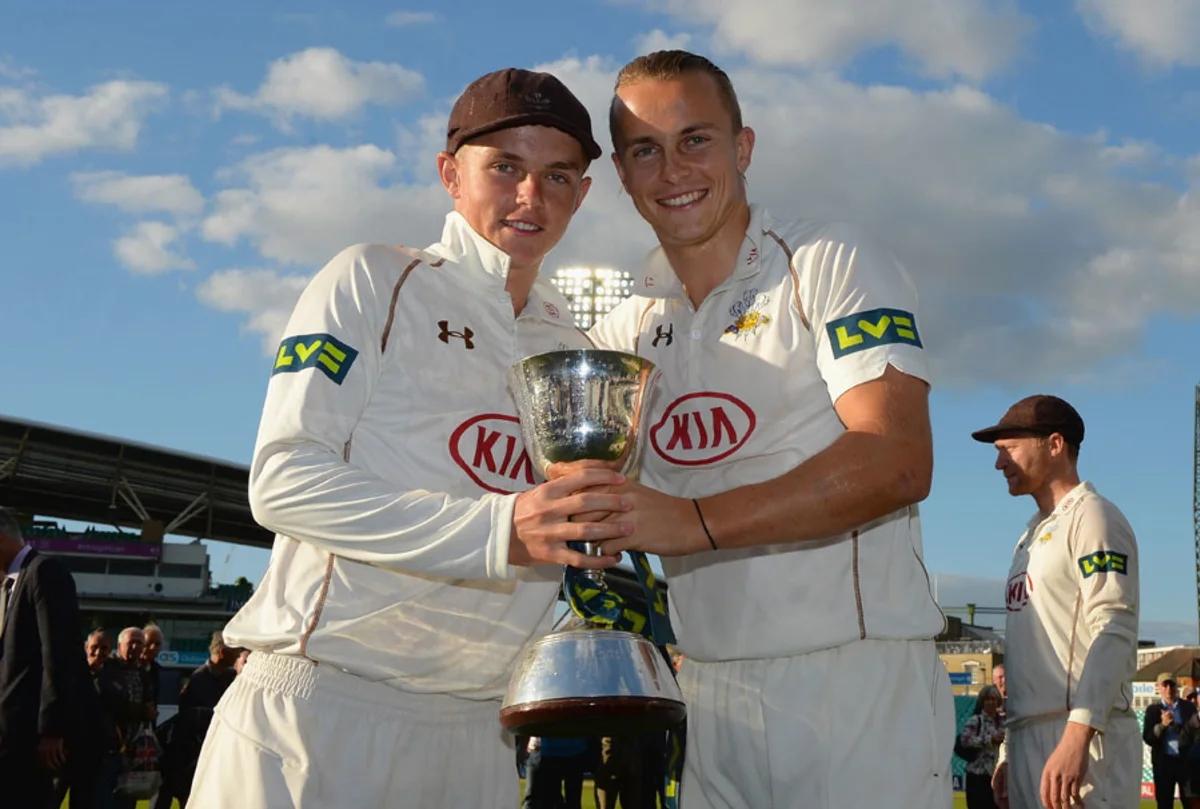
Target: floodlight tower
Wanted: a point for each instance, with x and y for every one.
(592, 291)
(1196, 496)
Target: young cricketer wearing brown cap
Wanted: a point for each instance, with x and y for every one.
(1071, 632)
(414, 555)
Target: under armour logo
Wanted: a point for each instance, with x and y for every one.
(668, 335)
(465, 335)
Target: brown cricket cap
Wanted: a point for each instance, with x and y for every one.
(1165, 677)
(513, 97)
(1039, 415)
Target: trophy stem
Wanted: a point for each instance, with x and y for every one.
(596, 577)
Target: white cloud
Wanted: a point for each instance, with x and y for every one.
(265, 296)
(301, 206)
(660, 40)
(1038, 254)
(323, 84)
(109, 115)
(406, 19)
(170, 193)
(147, 250)
(1161, 32)
(972, 39)
(10, 70)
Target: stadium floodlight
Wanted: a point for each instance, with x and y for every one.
(592, 291)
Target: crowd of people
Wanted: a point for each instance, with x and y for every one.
(80, 721)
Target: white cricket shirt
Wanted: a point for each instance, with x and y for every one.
(387, 458)
(746, 394)
(1070, 646)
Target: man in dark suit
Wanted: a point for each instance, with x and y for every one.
(1162, 728)
(42, 667)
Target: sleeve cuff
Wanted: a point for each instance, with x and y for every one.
(498, 545)
(1086, 716)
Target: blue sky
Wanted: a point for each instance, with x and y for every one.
(170, 175)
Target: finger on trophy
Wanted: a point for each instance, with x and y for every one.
(592, 516)
(588, 561)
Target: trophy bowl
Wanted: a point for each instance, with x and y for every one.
(587, 404)
(583, 405)
(591, 682)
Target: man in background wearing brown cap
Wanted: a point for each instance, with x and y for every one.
(1071, 635)
(405, 574)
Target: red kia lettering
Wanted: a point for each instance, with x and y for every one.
(702, 428)
(489, 448)
(1016, 594)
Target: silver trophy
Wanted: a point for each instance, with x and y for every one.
(587, 680)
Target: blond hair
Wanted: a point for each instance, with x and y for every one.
(667, 66)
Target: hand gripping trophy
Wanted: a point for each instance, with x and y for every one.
(594, 680)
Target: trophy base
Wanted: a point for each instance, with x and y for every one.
(592, 716)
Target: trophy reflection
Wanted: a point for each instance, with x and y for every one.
(589, 680)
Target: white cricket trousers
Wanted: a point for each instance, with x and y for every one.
(870, 723)
(289, 734)
(1114, 775)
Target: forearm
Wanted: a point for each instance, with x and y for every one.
(1106, 668)
(860, 477)
(309, 494)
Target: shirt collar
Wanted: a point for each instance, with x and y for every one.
(1066, 505)
(15, 566)
(657, 278)
(461, 241)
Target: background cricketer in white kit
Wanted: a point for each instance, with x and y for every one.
(1071, 634)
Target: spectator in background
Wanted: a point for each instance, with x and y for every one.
(240, 663)
(136, 711)
(42, 669)
(94, 762)
(554, 773)
(1162, 731)
(153, 644)
(200, 696)
(620, 774)
(999, 679)
(983, 731)
(1189, 740)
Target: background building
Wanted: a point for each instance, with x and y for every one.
(125, 580)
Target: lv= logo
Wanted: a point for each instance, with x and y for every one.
(465, 335)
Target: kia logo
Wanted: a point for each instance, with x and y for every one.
(702, 428)
(1016, 593)
(490, 449)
